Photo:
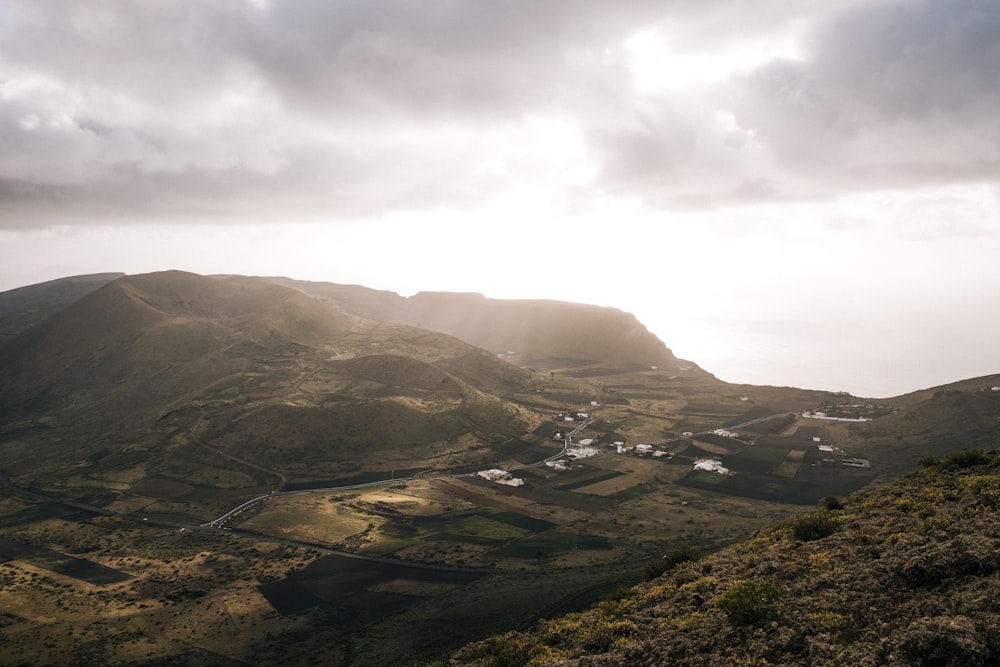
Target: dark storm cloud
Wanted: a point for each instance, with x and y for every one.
(892, 93)
(333, 109)
(314, 95)
(912, 59)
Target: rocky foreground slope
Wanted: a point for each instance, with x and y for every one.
(906, 574)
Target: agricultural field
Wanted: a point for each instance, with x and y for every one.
(365, 575)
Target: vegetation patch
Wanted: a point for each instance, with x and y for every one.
(815, 526)
(344, 581)
(919, 581)
(592, 476)
(747, 601)
(70, 566)
(483, 527)
(552, 543)
(684, 553)
(526, 452)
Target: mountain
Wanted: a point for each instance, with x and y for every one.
(533, 330)
(540, 329)
(137, 411)
(116, 379)
(26, 306)
(141, 341)
(907, 574)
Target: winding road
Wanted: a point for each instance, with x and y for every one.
(221, 523)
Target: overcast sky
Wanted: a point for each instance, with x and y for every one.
(785, 192)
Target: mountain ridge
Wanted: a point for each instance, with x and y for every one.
(129, 361)
(532, 329)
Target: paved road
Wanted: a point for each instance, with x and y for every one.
(221, 522)
(225, 519)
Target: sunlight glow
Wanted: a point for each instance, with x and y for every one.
(656, 66)
(550, 151)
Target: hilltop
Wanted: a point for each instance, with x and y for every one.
(907, 574)
(530, 332)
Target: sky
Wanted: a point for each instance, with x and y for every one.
(786, 192)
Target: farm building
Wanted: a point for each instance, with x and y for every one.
(500, 477)
(711, 465)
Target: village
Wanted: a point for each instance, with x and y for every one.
(740, 458)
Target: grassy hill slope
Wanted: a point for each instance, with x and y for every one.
(108, 391)
(24, 307)
(932, 422)
(907, 574)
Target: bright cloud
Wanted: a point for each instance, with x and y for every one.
(657, 67)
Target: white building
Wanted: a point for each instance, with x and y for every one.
(711, 465)
(500, 477)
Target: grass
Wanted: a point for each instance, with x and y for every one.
(552, 543)
(203, 596)
(770, 455)
(309, 518)
(480, 526)
(705, 477)
(580, 480)
(904, 573)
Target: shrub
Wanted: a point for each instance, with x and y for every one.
(944, 640)
(562, 631)
(826, 621)
(684, 553)
(833, 503)
(606, 632)
(814, 526)
(747, 601)
(512, 649)
(965, 458)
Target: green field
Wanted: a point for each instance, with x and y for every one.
(552, 543)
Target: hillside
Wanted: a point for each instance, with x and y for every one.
(132, 347)
(132, 381)
(229, 470)
(533, 330)
(908, 574)
(24, 307)
(926, 423)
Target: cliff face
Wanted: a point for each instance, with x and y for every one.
(907, 574)
(533, 329)
(538, 329)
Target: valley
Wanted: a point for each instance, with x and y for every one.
(221, 471)
(282, 569)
